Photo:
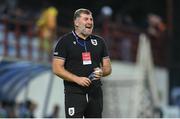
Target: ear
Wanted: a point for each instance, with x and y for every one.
(76, 23)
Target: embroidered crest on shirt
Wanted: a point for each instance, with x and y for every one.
(94, 41)
(71, 111)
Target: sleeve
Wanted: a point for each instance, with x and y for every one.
(60, 49)
(105, 53)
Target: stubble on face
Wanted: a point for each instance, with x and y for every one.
(85, 25)
(85, 31)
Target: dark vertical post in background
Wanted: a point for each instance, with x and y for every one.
(174, 18)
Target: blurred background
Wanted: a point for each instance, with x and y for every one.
(143, 41)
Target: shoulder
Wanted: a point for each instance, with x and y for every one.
(65, 38)
(97, 37)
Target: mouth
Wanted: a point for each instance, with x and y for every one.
(89, 27)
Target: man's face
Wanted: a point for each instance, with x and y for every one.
(85, 24)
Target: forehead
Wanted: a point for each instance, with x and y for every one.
(83, 15)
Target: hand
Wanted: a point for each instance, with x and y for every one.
(98, 73)
(83, 81)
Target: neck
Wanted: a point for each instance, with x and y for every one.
(81, 35)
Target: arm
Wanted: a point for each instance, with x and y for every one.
(60, 71)
(106, 67)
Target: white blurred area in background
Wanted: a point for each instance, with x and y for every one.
(106, 11)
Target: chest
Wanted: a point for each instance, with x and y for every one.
(77, 49)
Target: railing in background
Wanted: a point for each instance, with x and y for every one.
(123, 41)
(20, 40)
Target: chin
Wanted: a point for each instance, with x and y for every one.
(89, 33)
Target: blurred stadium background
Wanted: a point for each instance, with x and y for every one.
(143, 41)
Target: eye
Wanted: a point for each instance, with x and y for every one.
(85, 18)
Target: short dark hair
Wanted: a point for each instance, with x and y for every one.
(78, 12)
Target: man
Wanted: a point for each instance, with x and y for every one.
(76, 55)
